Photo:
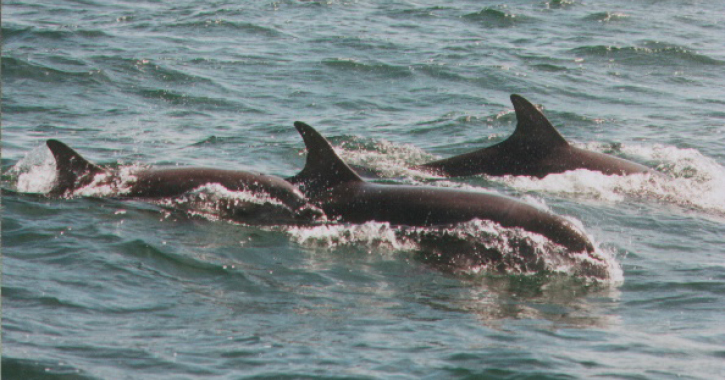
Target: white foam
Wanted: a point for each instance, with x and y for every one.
(215, 202)
(214, 194)
(380, 236)
(114, 184)
(389, 159)
(690, 180)
(35, 173)
(474, 247)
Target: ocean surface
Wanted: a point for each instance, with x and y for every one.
(102, 288)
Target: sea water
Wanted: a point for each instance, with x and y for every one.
(98, 288)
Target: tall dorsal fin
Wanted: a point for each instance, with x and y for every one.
(533, 127)
(324, 168)
(72, 169)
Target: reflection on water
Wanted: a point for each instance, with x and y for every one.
(563, 301)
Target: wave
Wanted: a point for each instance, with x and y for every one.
(439, 71)
(12, 34)
(496, 18)
(560, 4)
(648, 53)
(183, 99)
(418, 13)
(47, 72)
(14, 367)
(175, 266)
(358, 43)
(153, 70)
(549, 68)
(375, 68)
(606, 17)
(225, 27)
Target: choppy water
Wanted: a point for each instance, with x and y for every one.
(107, 289)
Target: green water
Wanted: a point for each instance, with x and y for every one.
(109, 289)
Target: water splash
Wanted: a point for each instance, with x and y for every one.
(473, 247)
(371, 235)
(116, 184)
(34, 173)
(216, 202)
(386, 158)
(690, 180)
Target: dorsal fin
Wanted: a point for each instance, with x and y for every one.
(324, 168)
(72, 169)
(533, 127)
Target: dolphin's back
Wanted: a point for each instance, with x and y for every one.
(534, 149)
(432, 206)
(162, 183)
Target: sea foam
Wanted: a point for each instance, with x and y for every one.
(473, 247)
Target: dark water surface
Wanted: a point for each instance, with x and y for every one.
(108, 289)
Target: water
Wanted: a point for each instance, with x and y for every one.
(99, 288)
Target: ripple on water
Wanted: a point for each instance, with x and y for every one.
(649, 53)
(499, 17)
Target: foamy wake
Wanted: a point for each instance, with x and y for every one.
(215, 202)
(473, 247)
(688, 178)
(34, 173)
(389, 160)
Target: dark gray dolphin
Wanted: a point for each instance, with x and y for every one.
(333, 186)
(75, 172)
(534, 149)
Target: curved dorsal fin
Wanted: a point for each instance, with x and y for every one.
(72, 169)
(324, 168)
(533, 126)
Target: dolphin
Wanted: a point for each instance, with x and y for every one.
(534, 149)
(330, 184)
(73, 172)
